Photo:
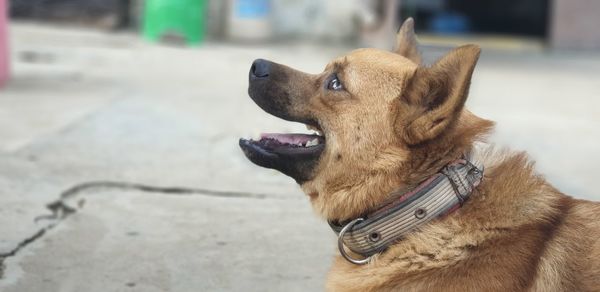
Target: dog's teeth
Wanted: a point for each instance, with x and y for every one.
(312, 142)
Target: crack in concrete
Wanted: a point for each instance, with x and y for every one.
(61, 209)
(21, 245)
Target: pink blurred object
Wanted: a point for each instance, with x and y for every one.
(3, 42)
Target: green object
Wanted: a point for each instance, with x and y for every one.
(184, 18)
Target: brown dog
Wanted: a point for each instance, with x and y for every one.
(388, 129)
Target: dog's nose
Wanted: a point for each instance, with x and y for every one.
(260, 68)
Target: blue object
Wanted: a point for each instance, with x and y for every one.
(449, 23)
(252, 8)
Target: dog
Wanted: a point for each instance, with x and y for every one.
(403, 174)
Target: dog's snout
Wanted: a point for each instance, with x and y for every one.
(260, 69)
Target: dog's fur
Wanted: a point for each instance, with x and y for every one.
(397, 123)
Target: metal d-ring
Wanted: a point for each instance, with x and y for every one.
(341, 243)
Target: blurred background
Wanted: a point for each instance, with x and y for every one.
(153, 92)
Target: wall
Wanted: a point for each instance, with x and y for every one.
(575, 24)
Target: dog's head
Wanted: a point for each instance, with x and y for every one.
(382, 121)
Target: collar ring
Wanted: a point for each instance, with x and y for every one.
(341, 243)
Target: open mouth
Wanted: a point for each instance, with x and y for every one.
(287, 144)
(294, 154)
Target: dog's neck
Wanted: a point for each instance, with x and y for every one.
(437, 196)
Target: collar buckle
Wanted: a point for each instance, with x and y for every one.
(463, 184)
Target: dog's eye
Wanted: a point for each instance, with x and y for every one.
(335, 83)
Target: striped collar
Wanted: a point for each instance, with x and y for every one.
(437, 196)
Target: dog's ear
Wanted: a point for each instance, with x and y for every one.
(406, 41)
(434, 96)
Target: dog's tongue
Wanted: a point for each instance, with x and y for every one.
(297, 139)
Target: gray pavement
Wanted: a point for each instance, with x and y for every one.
(88, 106)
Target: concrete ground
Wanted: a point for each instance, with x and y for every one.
(94, 108)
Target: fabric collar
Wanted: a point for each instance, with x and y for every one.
(437, 196)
